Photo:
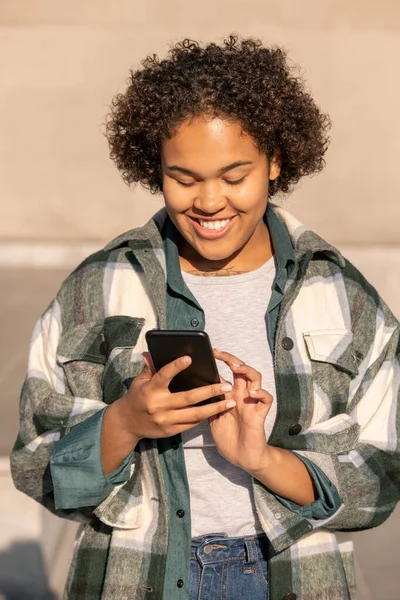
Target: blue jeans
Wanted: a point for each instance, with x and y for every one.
(223, 568)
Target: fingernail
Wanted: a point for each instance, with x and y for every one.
(226, 387)
(185, 360)
(253, 392)
(217, 349)
(234, 365)
(230, 404)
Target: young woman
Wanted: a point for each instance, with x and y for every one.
(240, 498)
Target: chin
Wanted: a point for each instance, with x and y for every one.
(215, 256)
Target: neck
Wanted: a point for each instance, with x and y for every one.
(251, 256)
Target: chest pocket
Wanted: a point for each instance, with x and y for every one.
(99, 360)
(334, 363)
(123, 362)
(334, 347)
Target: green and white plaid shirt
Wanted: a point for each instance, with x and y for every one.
(337, 380)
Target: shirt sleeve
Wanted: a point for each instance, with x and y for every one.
(77, 470)
(328, 500)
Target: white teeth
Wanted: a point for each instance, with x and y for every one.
(214, 224)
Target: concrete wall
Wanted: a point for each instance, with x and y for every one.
(61, 197)
(61, 63)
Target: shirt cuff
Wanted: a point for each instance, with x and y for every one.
(77, 470)
(328, 500)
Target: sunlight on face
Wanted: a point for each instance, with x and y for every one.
(215, 185)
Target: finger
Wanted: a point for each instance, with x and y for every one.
(148, 362)
(163, 377)
(262, 396)
(227, 358)
(196, 395)
(239, 382)
(196, 414)
(222, 380)
(145, 374)
(254, 379)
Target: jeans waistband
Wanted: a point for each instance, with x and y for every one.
(216, 547)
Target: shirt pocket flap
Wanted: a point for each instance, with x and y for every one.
(121, 332)
(336, 435)
(94, 342)
(124, 362)
(79, 353)
(82, 342)
(95, 356)
(333, 346)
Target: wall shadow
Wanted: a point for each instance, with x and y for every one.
(23, 573)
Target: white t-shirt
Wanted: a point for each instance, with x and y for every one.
(235, 307)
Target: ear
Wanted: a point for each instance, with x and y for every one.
(275, 165)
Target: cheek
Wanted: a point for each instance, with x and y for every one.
(251, 199)
(176, 199)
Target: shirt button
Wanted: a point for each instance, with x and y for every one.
(278, 515)
(287, 343)
(290, 596)
(295, 429)
(180, 513)
(179, 583)
(194, 322)
(175, 446)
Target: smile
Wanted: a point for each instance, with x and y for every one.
(212, 229)
(214, 224)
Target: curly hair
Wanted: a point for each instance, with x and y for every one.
(240, 80)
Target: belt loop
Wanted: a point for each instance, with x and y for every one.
(251, 551)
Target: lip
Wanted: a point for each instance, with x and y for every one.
(211, 234)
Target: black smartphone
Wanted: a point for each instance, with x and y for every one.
(165, 346)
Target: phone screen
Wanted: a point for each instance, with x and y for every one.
(165, 346)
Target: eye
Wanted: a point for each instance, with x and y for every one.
(182, 183)
(235, 182)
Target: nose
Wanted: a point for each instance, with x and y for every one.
(210, 197)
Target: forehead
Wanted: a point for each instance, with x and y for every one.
(209, 140)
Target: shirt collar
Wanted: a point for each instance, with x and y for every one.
(284, 253)
(170, 236)
(281, 242)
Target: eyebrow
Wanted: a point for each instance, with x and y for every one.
(239, 163)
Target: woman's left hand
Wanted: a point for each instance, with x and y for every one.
(239, 432)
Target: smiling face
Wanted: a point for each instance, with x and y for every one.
(215, 186)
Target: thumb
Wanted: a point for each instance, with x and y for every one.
(147, 373)
(148, 368)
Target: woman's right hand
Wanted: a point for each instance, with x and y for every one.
(151, 411)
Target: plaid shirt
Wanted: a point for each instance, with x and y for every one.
(337, 377)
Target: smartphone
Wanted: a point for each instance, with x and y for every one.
(165, 346)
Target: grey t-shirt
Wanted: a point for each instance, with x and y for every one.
(235, 307)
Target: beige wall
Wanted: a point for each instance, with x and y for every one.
(60, 64)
